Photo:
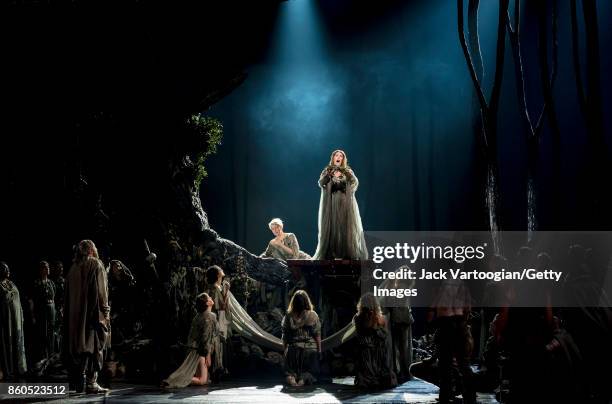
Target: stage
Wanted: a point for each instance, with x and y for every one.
(340, 391)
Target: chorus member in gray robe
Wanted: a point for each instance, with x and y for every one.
(301, 340)
(44, 311)
(340, 231)
(12, 351)
(204, 346)
(87, 315)
(283, 246)
(373, 361)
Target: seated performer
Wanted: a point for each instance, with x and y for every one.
(283, 246)
(373, 363)
(302, 340)
(203, 356)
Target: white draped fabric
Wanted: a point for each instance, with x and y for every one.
(244, 325)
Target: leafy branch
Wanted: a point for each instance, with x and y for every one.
(207, 133)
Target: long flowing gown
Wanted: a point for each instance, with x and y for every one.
(203, 340)
(340, 230)
(12, 351)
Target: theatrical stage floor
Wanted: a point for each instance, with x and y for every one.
(414, 391)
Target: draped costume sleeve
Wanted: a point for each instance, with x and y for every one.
(324, 178)
(323, 216)
(292, 243)
(268, 252)
(102, 286)
(204, 331)
(353, 181)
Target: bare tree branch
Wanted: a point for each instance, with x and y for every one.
(468, 58)
(514, 35)
(473, 38)
(555, 63)
(499, 57)
(593, 94)
(545, 75)
(576, 59)
(474, 42)
(488, 109)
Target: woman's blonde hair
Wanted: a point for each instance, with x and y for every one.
(299, 302)
(275, 221)
(344, 160)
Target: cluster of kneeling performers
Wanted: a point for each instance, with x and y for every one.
(301, 337)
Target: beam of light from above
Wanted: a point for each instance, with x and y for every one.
(304, 92)
(298, 37)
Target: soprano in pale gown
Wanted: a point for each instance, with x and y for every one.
(340, 231)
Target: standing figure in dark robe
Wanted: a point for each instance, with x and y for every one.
(87, 316)
(373, 362)
(340, 230)
(204, 347)
(12, 350)
(44, 311)
(57, 276)
(302, 340)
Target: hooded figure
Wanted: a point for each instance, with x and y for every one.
(340, 230)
